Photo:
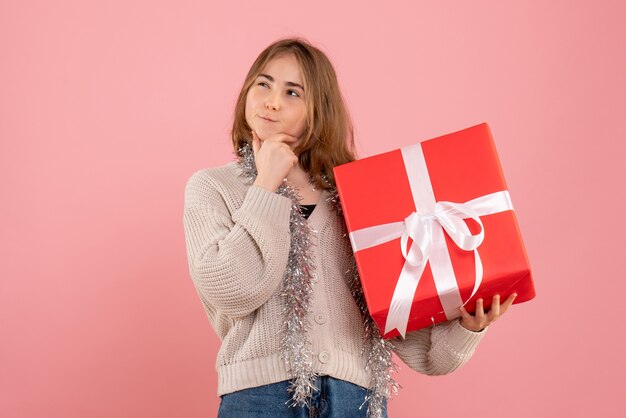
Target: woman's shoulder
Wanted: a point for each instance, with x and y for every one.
(209, 182)
(215, 174)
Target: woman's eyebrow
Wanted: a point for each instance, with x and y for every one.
(289, 83)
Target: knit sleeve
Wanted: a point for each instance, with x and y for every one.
(237, 260)
(440, 349)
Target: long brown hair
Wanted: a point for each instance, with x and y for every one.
(329, 134)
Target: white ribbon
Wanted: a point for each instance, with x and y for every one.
(425, 226)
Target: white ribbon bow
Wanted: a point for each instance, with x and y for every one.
(429, 244)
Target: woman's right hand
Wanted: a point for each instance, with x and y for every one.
(274, 159)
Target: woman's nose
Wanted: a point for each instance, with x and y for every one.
(272, 103)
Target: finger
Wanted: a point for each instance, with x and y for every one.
(507, 303)
(283, 137)
(494, 311)
(286, 147)
(480, 313)
(289, 138)
(256, 143)
(464, 313)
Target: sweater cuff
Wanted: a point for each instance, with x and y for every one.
(270, 206)
(461, 339)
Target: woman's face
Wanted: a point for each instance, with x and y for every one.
(275, 102)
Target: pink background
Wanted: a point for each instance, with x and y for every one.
(107, 107)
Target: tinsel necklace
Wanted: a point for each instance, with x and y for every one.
(296, 292)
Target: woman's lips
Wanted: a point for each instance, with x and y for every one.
(267, 119)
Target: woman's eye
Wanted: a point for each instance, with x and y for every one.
(289, 92)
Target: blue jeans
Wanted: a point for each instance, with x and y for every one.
(334, 398)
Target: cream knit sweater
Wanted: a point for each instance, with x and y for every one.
(237, 239)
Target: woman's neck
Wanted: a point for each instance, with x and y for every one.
(298, 177)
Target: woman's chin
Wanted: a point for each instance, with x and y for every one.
(264, 132)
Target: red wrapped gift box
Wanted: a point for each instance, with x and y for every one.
(414, 216)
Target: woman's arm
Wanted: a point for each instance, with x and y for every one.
(235, 261)
(439, 349)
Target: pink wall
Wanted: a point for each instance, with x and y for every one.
(106, 108)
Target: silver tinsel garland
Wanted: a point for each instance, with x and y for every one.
(296, 292)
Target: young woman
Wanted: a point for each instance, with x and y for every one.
(272, 264)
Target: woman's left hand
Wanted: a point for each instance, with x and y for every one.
(480, 320)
